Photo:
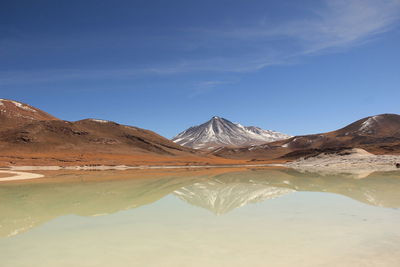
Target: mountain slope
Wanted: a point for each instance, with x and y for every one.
(13, 114)
(378, 134)
(31, 136)
(220, 132)
(87, 135)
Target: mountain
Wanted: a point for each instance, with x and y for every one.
(220, 132)
(87, 135)
(378, 134)
(31, 136)
(13, 114)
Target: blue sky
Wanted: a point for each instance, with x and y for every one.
(294, 66)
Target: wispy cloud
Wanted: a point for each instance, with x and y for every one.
(333, 25)
(204, 87)
(210, 84)
(345, 23)
(337, 24)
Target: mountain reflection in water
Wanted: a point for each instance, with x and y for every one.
(26, 205)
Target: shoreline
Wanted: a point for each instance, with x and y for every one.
(19, 173)
(126, 167)
(356, 161)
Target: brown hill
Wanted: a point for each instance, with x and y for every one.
(86, 135)
(29, 136)
(377, 134)
(14, 114)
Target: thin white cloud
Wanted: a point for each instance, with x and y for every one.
(207, 84)
(204, 87)
(334, 24)
(347, 23)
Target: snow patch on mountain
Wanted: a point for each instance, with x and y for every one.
(17, 104)
(23, 106)
(100, 121)
(219, 132)
(367, 125)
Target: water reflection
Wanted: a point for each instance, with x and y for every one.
(26, 205)
(220, 196)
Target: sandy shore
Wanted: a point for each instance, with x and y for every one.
(354, 161)
(124, 167)
(14, 175)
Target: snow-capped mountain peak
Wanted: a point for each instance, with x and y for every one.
(218, 132)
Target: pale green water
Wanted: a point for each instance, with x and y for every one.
(243, 218)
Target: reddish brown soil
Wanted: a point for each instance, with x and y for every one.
(79, 159)
(5, 175)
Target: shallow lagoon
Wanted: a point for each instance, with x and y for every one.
(224, 217)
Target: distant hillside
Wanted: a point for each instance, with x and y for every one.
(377, 134)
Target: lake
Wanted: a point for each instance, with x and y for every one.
(206, 217)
